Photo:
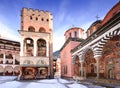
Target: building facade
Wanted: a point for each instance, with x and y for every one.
(9, 57)
(99, 53)
(57, 64)
(73, 37)
(36, 44)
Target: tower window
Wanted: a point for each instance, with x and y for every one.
(69, 34)
(36, 18)
(41, 43)
(47, 20)
(41, 29)
(75, 34)
(30, 17)
(31, 29)
(42, 19)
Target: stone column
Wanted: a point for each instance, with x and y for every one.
(21, 47)
(47, 48)
(35, 47)
(14, 59)
(4, 58)
(81, 63)
(4, 71)
(98, 67)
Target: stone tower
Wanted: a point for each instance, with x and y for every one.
(36, 44)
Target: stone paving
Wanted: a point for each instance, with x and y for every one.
(26, 83)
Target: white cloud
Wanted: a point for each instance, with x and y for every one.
(7, 32)
(58, 37)
(58, 42)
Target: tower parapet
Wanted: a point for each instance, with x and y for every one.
(36, 19)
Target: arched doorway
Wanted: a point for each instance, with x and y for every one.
(8, 70)
(41, 73)
(92, 68)
(110, 74)
(28, 73)
(90, 64)
(111, 58)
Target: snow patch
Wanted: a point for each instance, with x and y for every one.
(75, 85)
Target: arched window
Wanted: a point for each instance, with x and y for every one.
(9, 56)
(42, 19)
(31, 29)
(75, 34)
(41, 29)
(1, 55)
(28, 47)
(47, 20)
(30, 17)
(36, 18)
(41, 43)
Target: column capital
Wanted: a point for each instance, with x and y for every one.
(97, 57)
(35, 46)
(81, 61)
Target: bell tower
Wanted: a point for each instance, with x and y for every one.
(36, 44)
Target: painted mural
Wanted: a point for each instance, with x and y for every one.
(110, 61)
(90, 64)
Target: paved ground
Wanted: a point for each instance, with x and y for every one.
(90, 84)
(9, 82)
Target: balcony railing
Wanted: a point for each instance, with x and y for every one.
(34, 61)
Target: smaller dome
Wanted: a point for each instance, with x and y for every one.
(96, 22)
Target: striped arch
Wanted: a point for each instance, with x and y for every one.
(98, 48)
(74, 58)
(84, 52)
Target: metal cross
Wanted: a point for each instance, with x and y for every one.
(97, 17)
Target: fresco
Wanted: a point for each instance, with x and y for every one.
(110, 60)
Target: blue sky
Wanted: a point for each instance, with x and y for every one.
(66, 14)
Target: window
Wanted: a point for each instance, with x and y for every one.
(1, 55)
(30, 17)
(47, 20)
(69, 34)
(28, 43)
(41, 43)
(65, 69)
(75, 34)
(36, 18)
(9, 56)
(42, 19)
(31, 29)
(41, 29)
